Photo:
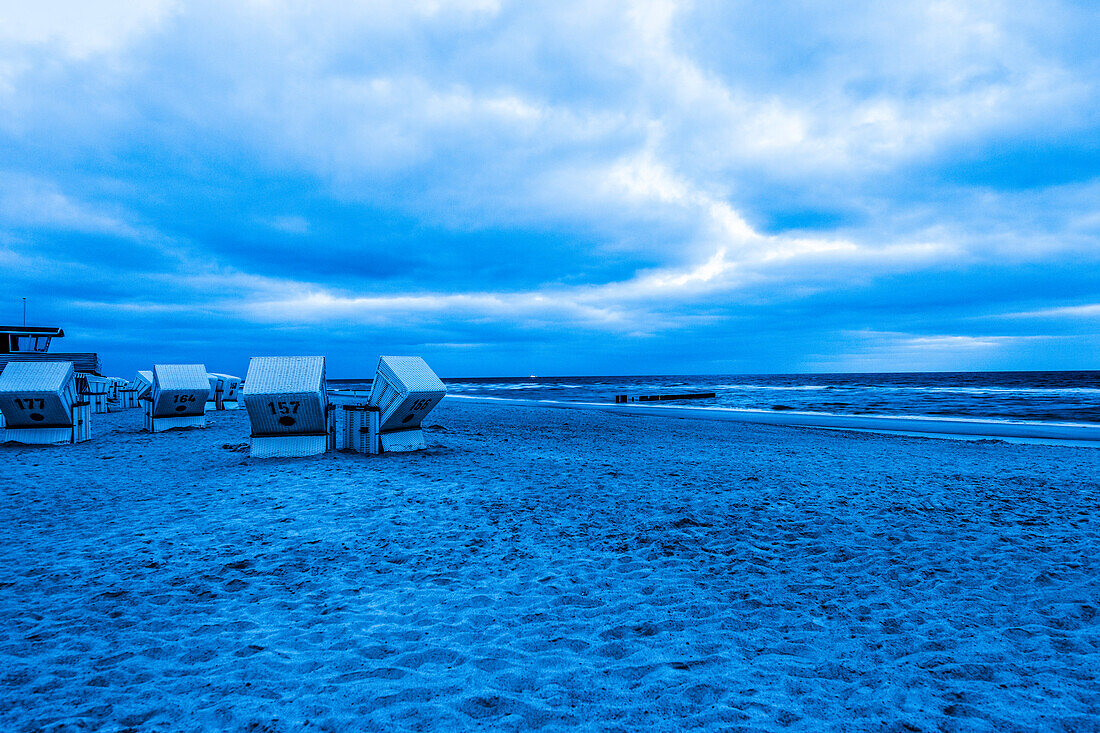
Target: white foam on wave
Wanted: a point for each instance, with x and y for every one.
(912, 388)
(781, 388)
(963, 390)
(980, 390)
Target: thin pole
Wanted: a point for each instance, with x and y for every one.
(24, 311)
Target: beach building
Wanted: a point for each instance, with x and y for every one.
(41, 403)
(177, 398)
(32, 343)
(287, 406)
(405, 390)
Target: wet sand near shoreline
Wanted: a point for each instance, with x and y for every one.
(548, 569)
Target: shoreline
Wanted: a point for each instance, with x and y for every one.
(1024, 432)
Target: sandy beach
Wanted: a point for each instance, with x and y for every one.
(550, 569)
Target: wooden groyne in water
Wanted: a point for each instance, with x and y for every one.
(619, 399)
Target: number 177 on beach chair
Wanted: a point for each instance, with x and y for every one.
(41, 403)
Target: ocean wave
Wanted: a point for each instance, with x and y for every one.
(1042, 396)
(913, 388)
(797, 387)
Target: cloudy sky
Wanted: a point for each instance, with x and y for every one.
(556, 187)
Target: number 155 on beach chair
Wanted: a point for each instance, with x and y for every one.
(405, 390)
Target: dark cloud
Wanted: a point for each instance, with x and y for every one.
(575, 187)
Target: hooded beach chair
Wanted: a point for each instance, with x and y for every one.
(143, 384)
(41, 403)
(131, 394)
(354, 422)
(212, 395)
(405, 390)
(224, 390)
(115, 386)
(231, 391)
(287, 406)
(97, 390)
(177, 398)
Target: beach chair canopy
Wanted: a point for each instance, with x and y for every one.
(142, 383)
(179, 390)
(405, 389)
(285, 395)
(38, 394)
(96, 385)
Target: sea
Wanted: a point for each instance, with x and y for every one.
(1065, 396)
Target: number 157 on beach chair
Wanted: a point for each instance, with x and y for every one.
(287, 406)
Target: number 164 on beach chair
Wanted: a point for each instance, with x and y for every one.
(177, 398)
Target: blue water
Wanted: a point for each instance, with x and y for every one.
(1041, 396)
